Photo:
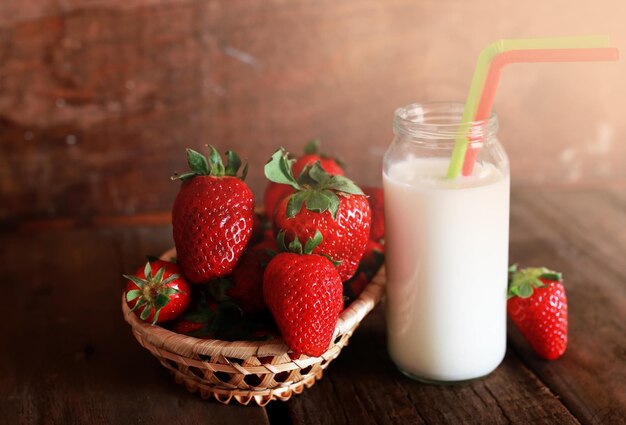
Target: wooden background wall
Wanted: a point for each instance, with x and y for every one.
(98, 98)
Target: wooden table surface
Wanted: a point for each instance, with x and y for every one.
(67, 356)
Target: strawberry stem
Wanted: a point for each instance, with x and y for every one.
(211, 165)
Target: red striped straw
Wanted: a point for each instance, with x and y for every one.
(518, 56)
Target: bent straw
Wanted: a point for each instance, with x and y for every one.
(480, 72)
(521, 56)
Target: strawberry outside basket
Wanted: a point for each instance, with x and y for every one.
(244, 371)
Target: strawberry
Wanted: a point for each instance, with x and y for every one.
(212, 216)
(276, 192)
(375, 196)
(303, 292)
(311, 155)
(537, 306)
(157, 297)
(372, 260)
(247, 278)
(332, 204)
(185, 327)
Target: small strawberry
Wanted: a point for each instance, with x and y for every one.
(303, 292)
(276, 192)
(537, 306)
(375, 197)
(247, 277)
(157, 297)
(312, 155)
(332, 204)
(212, 216)
(372, 260)
(185, 327)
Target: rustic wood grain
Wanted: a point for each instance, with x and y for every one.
(67, 356)
(582, 234)
(364, 387)
(99, 98)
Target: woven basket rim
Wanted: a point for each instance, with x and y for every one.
(188, 346)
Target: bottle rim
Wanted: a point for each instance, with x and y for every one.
(440, 122)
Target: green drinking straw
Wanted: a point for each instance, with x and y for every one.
(480, 73)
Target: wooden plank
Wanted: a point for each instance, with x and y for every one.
(582, 234)
(67, 356)
(362, 386)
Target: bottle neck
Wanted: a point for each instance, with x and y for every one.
(439, 124)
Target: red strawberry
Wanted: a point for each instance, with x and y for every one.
(212, 216)
(186, 327)
(375, 197)
(312, 155)
(276, 192)
(334, 205)
(303, 292)
(247, 278)
(157, 297)
(538, 306)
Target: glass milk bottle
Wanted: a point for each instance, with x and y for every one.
(446, 246)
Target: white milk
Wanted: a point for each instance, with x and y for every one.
(446, 260)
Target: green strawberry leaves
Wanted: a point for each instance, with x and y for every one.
(234, 163)
(295, 245)
(217, 167)
(318, 201)
(344, 184)
(152, 292)
(522, 282)
(278, 169)
(133, 294)
(211, 165)
(199, 163)
(313, 242)
(315, 188)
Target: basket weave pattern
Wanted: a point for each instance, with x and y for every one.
(245, 371)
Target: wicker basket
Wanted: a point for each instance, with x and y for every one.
(244, 370)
